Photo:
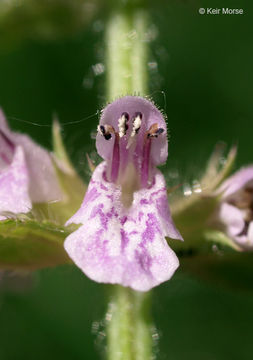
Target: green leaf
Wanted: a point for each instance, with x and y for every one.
(29, 245)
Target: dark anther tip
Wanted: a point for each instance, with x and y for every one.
(102, 128)
(107, 136)
(138, 114)
(126, 115)
(160, 131)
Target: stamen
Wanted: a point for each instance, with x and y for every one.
(154, 131)
(101, 130)
(136, 127)
(136, 124)
(106, 131)
(160, 131)
(122, 124)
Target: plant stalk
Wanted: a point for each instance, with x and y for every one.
(126, 53)
(129, 325)
(128, 322)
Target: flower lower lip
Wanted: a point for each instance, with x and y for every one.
(128, 244)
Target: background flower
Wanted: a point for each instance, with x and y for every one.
(236, 210)
(27, 173)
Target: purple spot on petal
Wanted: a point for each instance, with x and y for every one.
(144, 202)
(112, 213)
(130, 218)
(110, 197)
(97, 210)
(141, 213)
(91, 195)
(99, 245)
(103, 187)
(158, 191)
(162, 206)
(123, 220)
(152, 227)
(124, 239)
(144, 259)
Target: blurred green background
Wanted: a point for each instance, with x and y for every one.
(51, 61)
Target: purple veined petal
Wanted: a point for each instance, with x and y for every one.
(121, 245)
(44, 185)
(237, 181)
(43, 181)
(14, 185)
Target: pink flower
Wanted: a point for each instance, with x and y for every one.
(27, 173)
(236, 210)
(125, 215)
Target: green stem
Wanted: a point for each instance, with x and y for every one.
(126, 53)
(129, 325)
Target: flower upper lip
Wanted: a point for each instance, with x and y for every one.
(128, 133)
(132, 105)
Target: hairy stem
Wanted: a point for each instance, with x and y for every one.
(129, 325)
(126, 53)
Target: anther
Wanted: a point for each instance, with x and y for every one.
(154, 131)
(101, 130)
(160, 131)
(106, 131)
(136, 124)
(122, 124)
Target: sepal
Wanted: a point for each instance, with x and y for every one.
(194, 214)
(220, 238)
(218, 167)
(192, 220)
(72, 185)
